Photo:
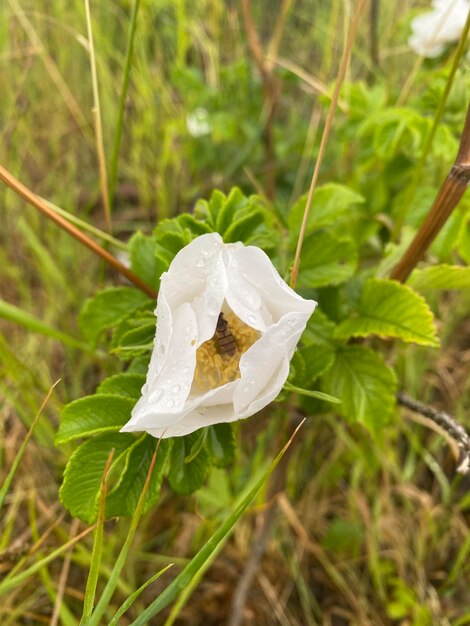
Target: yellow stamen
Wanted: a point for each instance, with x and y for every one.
(214, 369)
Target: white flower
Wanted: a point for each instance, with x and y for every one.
(197, 376)
(198, 123)
(432, 31)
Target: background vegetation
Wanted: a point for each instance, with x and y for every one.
(363, 529)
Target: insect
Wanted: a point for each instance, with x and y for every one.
(226, 343)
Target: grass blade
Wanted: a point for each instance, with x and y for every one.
(8, 480)
(122, 104)
(95, 618)
(93, 575)
(183, 580)
(133, 597)
(7, 584)
(23, 318)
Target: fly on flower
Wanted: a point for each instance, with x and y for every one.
(227, 327)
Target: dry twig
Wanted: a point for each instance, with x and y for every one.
(455, 430)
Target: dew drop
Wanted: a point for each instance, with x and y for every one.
(199, 263)
(155, 395)
(292, 322)
(185, 369)
(252, 318)
(175, 388)
(170, 403)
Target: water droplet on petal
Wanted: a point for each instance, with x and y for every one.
(252, 318)
(155, 394)
(175, 388)
(199, 263)
(170, 403)
(292, 322)
(185, 369)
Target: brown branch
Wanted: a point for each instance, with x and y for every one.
(32, 199)
(455, 430)
(446, 200)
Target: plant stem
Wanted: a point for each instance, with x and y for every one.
(447, 199)
(445, 421)
(358, 11)
(122, 104)
(32, 199)
(97, 120)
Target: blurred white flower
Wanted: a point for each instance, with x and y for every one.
(432, 31)
(198, 123)
(206, 368)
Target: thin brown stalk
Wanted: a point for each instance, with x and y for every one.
(358, 11)
(63, 577)
(32, 199)
(447, 199)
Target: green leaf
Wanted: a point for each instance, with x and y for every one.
(390, 309)
(229, 207)
(127, 385)
(80, 489)
(185, 477)
(143, 261)
(241, 229)
(93, 415)
(317, 360)
(109, 307)
(122, 500)
(320, 329)
(326, 260)
(330, 202)
(363, 382)
(220, 444)
(440, 277)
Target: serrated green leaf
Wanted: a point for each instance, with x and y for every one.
(320, 329)
(390, 309)
(127, 385)
(135, 341)
(326, 260)
(109, 307)
(242, 228)
(93, 415)
(220, 443)
(440, 277)
(139, 365)
(330, 202)
(143, 262)
(80, 489)
(186, 477)
(317, 360)
(122, 500)
(232, 203)
(363, 382)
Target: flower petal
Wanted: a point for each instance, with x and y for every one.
(256, 292)
(260, 363)
(164, 394)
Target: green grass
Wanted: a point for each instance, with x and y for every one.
(367, 530)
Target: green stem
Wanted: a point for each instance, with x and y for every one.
(122, 103)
